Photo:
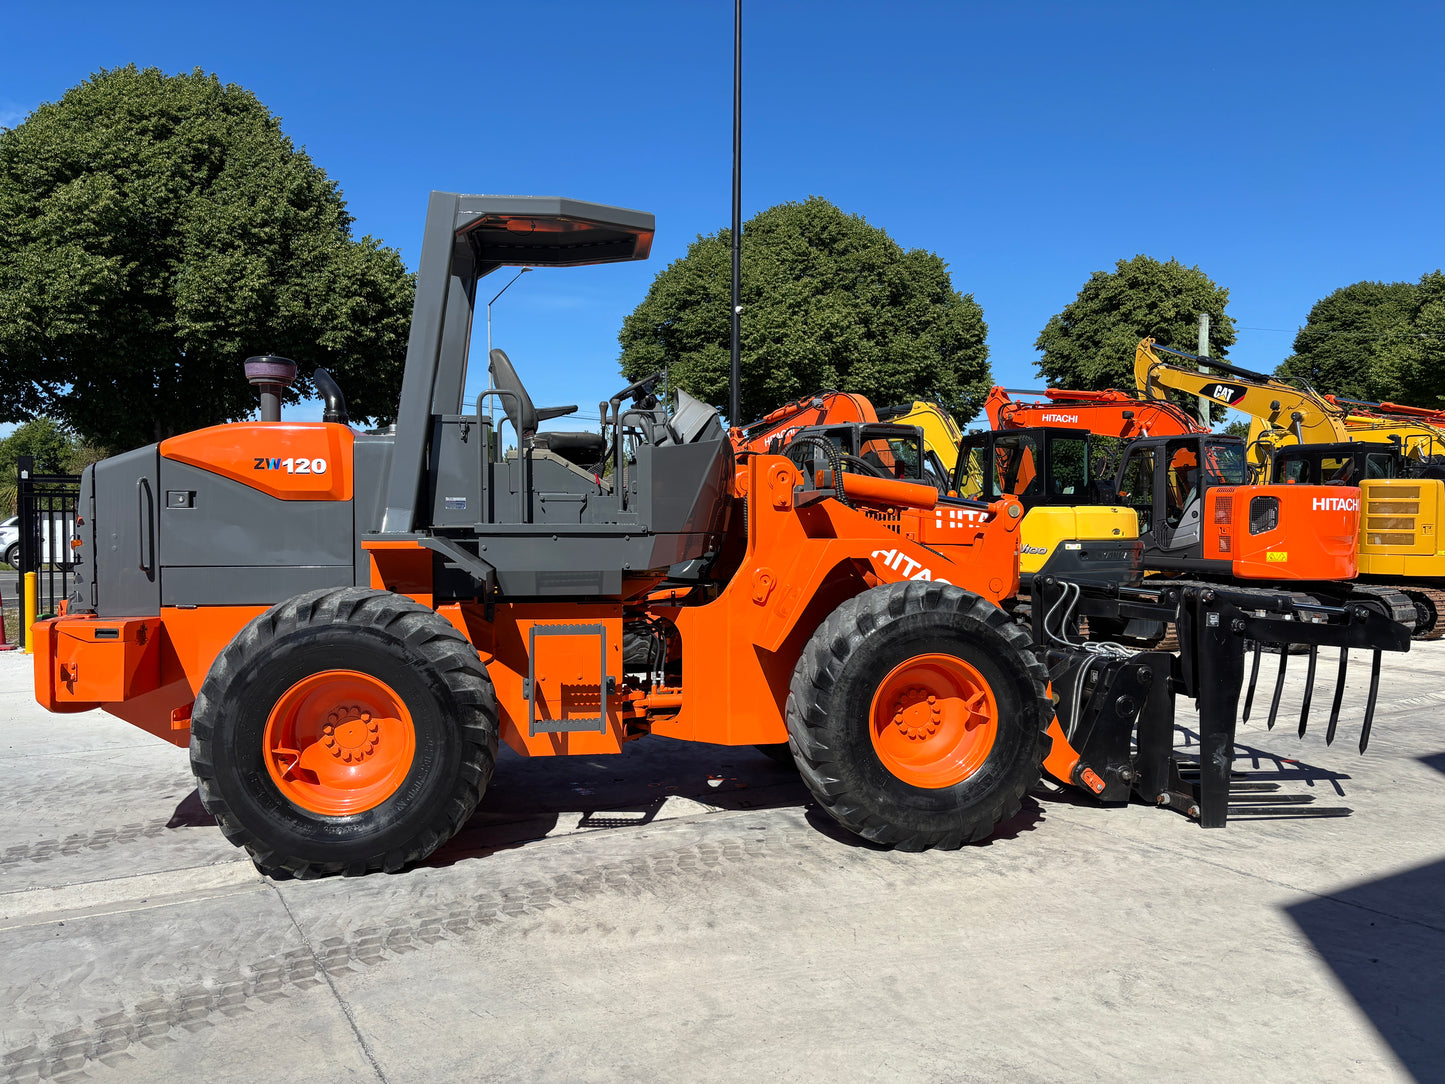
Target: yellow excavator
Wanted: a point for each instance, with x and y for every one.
(1297, 435)
(1066, 530)
(940, 432)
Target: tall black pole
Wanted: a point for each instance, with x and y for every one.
(736, 386)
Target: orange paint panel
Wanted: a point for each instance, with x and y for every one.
(738, 653)
(196, 636)
(1062, 758)
(1314, 537)
(101, 660)
(303, 461)
(148, 673)
(47, 669)
(502, 644)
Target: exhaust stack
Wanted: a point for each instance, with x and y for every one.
(272, 375)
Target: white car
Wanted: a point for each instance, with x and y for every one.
(10, 541)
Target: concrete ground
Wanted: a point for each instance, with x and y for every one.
(682, 912)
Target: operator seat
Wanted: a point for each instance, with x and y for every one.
(580, 449)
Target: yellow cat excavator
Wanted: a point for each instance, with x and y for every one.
(1298, 435)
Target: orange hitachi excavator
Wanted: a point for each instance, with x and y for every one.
(771, 432)
(1198, 514)
(1394, 453)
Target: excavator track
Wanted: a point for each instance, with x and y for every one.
(1429, 603)
(1400, 607)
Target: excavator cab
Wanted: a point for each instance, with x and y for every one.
(1336, 464)
(1041, 467)
(877, 448)
(1073, 525)
(1166, 480)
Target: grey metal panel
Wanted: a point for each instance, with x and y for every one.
(230, 523)
(82, 592)
(455, 462)
(681, 486)
(456, 333)
(127, 501)
(549, 248)
(370, 466)
(247, 586)
(414, 410)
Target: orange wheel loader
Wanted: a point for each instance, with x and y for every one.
(342, 627)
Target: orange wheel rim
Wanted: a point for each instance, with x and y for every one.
(933, 720)
(339, 742)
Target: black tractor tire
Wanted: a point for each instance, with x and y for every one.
(850, 658)
(434, 673)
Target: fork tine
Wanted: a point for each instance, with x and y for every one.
(1370, 702)
(1304, 711)
(1253, 679)
(1278, 685)
(1339, 695)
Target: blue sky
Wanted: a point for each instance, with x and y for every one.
(1286, 149)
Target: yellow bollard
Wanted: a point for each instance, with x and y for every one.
(27, 609)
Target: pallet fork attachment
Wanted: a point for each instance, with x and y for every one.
(1115, 707)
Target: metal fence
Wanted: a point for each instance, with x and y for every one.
(47, 505)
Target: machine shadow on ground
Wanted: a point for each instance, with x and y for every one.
(532, 798)
(1385, 941)
(1268, 786)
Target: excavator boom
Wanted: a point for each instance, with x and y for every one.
(1111, 413)
(1282, 413)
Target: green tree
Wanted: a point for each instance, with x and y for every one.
(1358, 342)
(54, 448)
(1429, 338)
(1090, 345)
(49, 443)
(155, 231)
(828, 302)
(1425, 350)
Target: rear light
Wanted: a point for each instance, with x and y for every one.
(1263, 514)
(1224, 509)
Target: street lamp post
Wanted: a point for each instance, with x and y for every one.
(498, 294)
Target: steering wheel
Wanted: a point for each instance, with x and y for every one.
(640, 388)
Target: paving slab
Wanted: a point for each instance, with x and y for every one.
(684, 911)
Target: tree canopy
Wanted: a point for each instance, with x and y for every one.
(155, 231)
(1375, 341)
(828, 302)
(55, 449)
(50, 445)
(1090, 344)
